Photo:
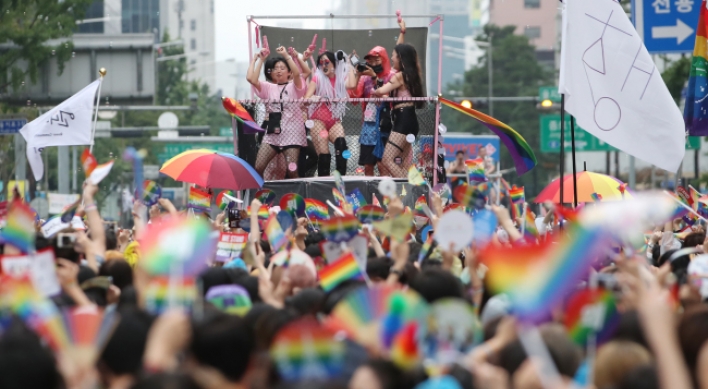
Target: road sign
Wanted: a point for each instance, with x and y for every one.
(584, 141)
(173, 149)
(226, 131)
(549, 93)
(666, 26)
(168, 121)
(11, 126)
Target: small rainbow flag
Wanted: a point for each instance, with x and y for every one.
(591, 311)
(475, 170)
(518, 198)
(426, 249)
(521, 152)
(530, 230)
(343, 269)
(263, 212)
(19, 230)
(265, 196)
(88, 162)
(419, 203)
(596, 197)
(180, 241)
(370, 213)
(316, 210)
(702, 207)
(695, 113)
(275, 234)
(163, 293)
(69, 212)
(340, 229)
(415, 177)
(151, 192)
(38, 312)
(198, 200)
(339, 182)
(236, 110)
(536, 278)
(339, 198)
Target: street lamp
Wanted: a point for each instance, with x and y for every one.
(466, 103)
(546, 103)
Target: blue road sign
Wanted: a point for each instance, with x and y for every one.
(11, 126)
(666, 26)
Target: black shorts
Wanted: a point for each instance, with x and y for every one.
(366, 155)
(405, 121)
(280, 149)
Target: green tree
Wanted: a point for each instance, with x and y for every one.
(676, 75)
(172, 88)
(516, 72)
(28, 25)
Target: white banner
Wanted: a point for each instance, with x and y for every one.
(613, 88)
(59, 201)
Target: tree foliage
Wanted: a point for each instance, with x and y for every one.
(27, 25)
(676, 75)
(515, 72)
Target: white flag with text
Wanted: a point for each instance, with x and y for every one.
(67, 124)
(612, 86)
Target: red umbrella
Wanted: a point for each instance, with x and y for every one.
(211, 169)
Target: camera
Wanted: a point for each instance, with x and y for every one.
(234, 218)
(66, 240)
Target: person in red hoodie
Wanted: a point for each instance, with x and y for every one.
(377, 117)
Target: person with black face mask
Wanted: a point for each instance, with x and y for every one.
(377, 125)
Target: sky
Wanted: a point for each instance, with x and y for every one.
(230, 19)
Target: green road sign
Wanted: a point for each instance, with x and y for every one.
(173, 149)
(549, 93)
(584, 141)
(226, 131)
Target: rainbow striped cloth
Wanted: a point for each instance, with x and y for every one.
(343, 269)
(316, 210)
(521, 152)
(236, 110)
(163, 293)
(198, 200)
(275, 234)
(19, 230)
(518, 198)
(537, 277)
(695, 113)
(475, 170)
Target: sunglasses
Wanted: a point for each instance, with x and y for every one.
(325, 62)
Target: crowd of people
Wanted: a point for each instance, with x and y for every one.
(416, 314)
(336, 77)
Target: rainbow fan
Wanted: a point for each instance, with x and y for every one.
(181, 245)
(293, 203)
(265, 196)
(340, 229)
(306, 350)
(223, 200)
(361, 314)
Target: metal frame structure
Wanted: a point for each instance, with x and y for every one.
(250, 19)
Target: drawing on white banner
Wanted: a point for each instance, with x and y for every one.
(608, 112)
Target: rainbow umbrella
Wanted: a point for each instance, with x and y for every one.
(589, 183)
(212, 169)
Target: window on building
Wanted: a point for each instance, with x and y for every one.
(193, 24)
(532, 32)
(193, 44)
(193, 62)
(532, 3)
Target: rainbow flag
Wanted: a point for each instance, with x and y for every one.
(340, 229)
(370, 213)
(419, 203)
(427, 247)
(275, 234)
(695, 113)
(163, 293)
(694, 196)
(702, 207)
(69, 212)
(339, 198)
(236, 110)
(530, 230)
(316, 210)
(185, 242)
(88, 162)
(521, 152)
(518, 198)
(591, 311)
(415, 177)
(343, 269)
(596, 197)
(536, 278)
(38, 312)
(198, 200)
(19, 230)
(475, 170)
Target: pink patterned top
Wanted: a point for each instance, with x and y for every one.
(292, 122)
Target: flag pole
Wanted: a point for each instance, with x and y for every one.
(102, 72)
(562, 149)
(572, 150)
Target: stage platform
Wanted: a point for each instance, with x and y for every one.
(321, 188)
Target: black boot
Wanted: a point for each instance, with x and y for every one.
(340, 146)
(323, 165)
